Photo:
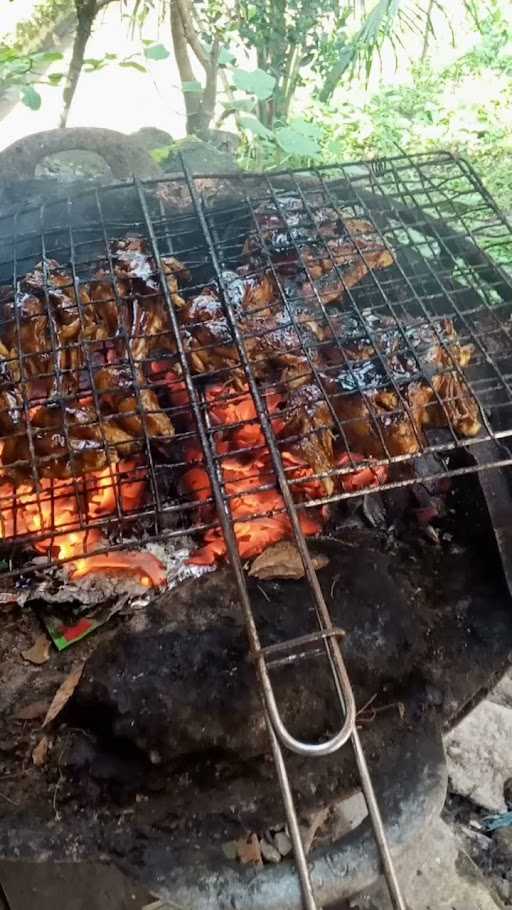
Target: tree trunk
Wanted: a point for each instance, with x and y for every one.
(199, 106)
(210, 93)
(86, 11)
(179, 41)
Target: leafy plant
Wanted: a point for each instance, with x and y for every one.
(22, 72)
(465, 107)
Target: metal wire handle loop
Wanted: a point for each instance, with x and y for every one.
(299, 746)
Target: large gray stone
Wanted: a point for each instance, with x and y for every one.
(479, 753)
(502, 694)
(438, 875)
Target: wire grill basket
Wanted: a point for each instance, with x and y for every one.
(389, 300)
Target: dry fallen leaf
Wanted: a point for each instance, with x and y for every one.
(39, 652)
(282, 560)
(40, 753)
(249, 850)
(32, 711)
(63, 694)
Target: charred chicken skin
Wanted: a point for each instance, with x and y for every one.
(75, 357)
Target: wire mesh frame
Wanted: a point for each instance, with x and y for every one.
(496, 282)
(436, 236)
(397, 219)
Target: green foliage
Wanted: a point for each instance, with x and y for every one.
(255, 82)
(32, 34)
(465, 108)
(296, 141)
(21, 72)
(194, 87)
(390, 21)
(31, 97)
(156, 52)
(255, 126)
(162, 152)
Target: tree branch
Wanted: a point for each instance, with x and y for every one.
(190, 32)
(179, 42)
(210, 92)
(426, 34)
(86, 11)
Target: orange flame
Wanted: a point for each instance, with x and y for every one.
(245, 475)
(63, 507)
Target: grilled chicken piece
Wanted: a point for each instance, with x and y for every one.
(447, 402)
(176, 274)
(135, 413)
(331, 286)
(104, 303)
(153, 420)
(50, 429)
(208, 338)
(260, 293)
(376, 423)
(132, 261)
(284, 225)
(151, 333)
(310, 419)
(27, 333)
(382, 391)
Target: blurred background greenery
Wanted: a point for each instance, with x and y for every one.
(295, 83)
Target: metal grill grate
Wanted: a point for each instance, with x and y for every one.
(383, 335)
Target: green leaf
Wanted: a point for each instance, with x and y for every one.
(31, 97)
(255, 126)
(162, 153)
(47, 56)
(226, 57)
(156, 52)
(256, 82)
(132, 64)
(192, 87)
(294, 143)
(305, 128)
(19, 66)
(240, 104)
(94, 63)
(7, 54)
(55, 78)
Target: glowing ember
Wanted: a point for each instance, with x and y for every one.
(148, 569)
(64, 508)
(248, 479)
